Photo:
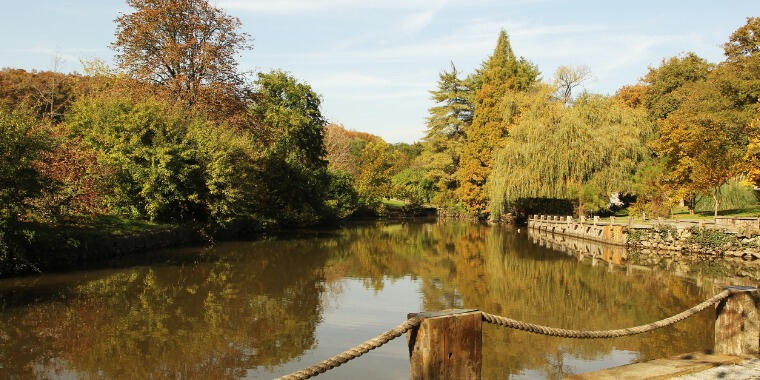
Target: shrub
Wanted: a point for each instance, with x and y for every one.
(342, 199)
(22, 143)
(157, 171)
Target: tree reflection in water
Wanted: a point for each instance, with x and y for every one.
(248, 308)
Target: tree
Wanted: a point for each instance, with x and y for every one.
(374, 180)
(412, 185)
(23, 145)
(568, 78)
(752, 156)
(344, 148)
(745, 41)
(704, 141)
(289, 126)
(453, 111)
(48, 93)
(186, 45)
(446, 125)
(602, 144)
(662, 96)
(502, 74)
(632, 95)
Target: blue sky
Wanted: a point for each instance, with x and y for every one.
(374, 61)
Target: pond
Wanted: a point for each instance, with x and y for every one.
(261, 309)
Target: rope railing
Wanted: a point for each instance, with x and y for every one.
(413, 322)
(354, 352)
(603, 334)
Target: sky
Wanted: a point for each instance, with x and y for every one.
(375, 61)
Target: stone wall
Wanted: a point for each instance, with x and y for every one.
(737, 237)
(726, 270)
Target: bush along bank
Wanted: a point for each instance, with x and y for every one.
(41, 248)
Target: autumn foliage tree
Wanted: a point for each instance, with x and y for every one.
(185, 45)
(502, 73)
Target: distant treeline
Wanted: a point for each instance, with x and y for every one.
(502, 140)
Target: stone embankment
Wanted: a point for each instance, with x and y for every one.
(736, 237)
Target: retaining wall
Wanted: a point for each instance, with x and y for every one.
(737, 237)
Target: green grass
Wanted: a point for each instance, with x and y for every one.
(683, 213)
(622, 216)
(111, 225)
(393, 203)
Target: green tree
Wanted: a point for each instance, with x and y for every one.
(23, 144)
(374, 180)
(602, 140)
(413, 185)
(502, 73)
(156, 168)
(289, 124)
(662, 95)
(446, 125)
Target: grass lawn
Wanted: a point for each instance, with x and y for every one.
(393, 203)
(111, 225)
(622, 216)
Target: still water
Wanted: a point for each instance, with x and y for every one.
(264, 308)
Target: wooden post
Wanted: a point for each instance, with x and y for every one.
(736, 322)
(596, 219)
(446, 345)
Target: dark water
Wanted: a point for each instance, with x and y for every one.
(262, 309)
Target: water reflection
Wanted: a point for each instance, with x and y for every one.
(261, 309)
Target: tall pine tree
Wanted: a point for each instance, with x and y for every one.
(446, 126)
(501, 74)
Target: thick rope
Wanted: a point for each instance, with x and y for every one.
(595, 334)
(355, 352)
(411, 323)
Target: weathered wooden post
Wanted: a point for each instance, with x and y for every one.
(446, 345)
(612, 220)
(596, 219)
(737, 320)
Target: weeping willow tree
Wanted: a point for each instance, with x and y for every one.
(583, 153)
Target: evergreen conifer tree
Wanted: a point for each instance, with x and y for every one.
(502, 74)
(446, 126)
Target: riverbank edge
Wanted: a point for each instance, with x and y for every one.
(662, 236)
(58, 248)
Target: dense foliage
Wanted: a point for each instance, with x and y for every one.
(502, 75)
(500, 141)
(174, 135)
(602, 145)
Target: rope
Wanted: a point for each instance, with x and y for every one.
(595, 334)
(354, 352)
(411, 323)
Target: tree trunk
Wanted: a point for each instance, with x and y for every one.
(716, 197)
